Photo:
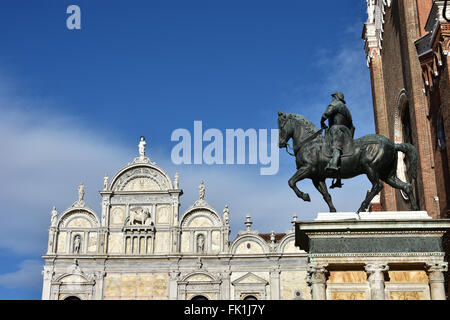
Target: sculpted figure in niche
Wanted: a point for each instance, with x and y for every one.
(200, 243)
(76, 244)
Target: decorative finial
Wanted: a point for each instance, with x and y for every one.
(105, 182)
(294, 219)
(226, 213)
(142, 145)
(248, 221)
(176, 180)
(201, 192)
(54, 216)
(272, 237)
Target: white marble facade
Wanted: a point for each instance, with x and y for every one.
(141, 247)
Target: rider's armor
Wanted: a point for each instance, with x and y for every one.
(341, 130)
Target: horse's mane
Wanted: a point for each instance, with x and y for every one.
(306, 123)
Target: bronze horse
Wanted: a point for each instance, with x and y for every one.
(373, 155)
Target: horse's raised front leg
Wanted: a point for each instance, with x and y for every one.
(376, 188)
(301, 174)
(322, 188)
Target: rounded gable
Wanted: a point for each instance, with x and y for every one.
(199, 276)
(249, 244)
(287, 245)
(78, 218)
(200, 217)
(141, 177)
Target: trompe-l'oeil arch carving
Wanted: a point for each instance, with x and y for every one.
(141, 178)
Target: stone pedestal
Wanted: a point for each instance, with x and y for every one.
(374, 255)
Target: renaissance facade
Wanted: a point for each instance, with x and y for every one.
(141, 247)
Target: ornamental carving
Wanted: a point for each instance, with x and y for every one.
(139, 216)
(141, 179)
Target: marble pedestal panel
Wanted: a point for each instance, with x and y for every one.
(374, 255)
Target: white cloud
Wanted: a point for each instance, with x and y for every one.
(28, 276)
(44, 159)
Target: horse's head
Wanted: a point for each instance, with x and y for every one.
(284, 129)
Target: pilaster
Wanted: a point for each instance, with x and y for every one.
(174, 276)
(275, 283)
(316, 279)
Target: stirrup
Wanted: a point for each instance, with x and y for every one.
(336, 184)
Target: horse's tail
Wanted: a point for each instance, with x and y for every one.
(411, 157)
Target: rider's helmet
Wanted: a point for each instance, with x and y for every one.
(338, 95)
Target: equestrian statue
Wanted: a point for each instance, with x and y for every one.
(338, 156)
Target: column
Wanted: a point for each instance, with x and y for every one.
(275, 283)
(436, 280)
(317, 279)
(375, 275)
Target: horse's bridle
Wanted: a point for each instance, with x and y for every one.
(306, 140)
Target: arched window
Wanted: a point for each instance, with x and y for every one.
(406, 124)
(440, 130)
(199, 297)
(72, 298)
(403, 134)
(250, 297)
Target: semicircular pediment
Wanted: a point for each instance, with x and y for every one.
(78, 218)
(199, 277)
(79, 222)
(73, 278)
(200, 218)
(141, 178)
(249, 244)
(249, 247)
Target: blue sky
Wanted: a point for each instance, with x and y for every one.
(74, 103)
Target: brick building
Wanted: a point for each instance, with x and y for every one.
(407, 44)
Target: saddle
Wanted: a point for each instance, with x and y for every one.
(348, 146)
